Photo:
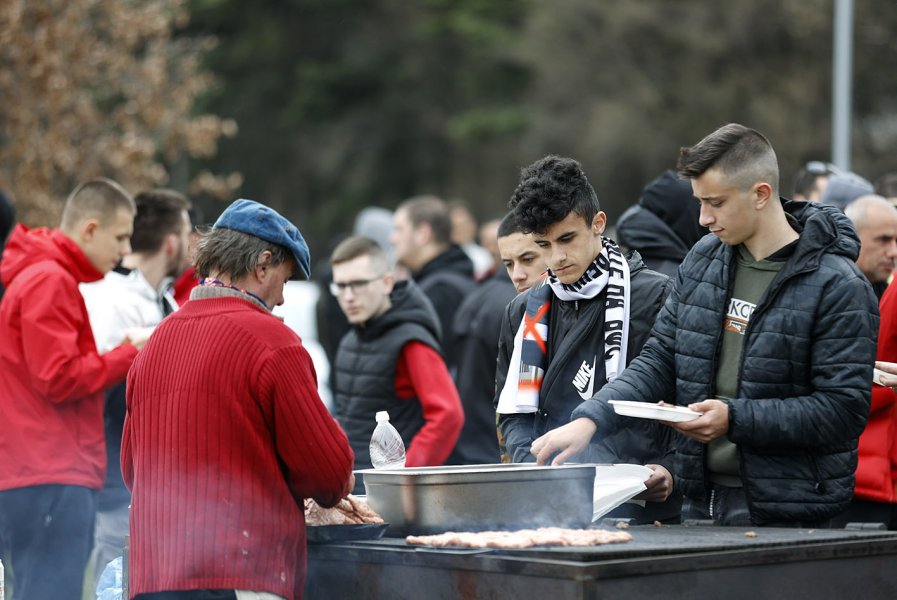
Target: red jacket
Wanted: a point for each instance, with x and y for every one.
(51, 377)
(225, 436)
(877, 469)
(421, 373)
(184, 284)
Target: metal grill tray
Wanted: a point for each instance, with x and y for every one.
(471, 497)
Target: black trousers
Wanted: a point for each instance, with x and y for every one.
(48, 532)
(867, 511)
(727, 506)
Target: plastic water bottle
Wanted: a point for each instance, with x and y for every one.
(110, 586)
(387, 449)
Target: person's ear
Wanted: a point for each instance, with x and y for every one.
(762, 194)
(88, 229)
(389, 283)
(171, 244)
(599, 222)
(263, 267)
(423, 233)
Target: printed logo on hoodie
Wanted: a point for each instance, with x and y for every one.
(739, 315)
(584, 380)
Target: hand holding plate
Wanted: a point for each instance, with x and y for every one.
(712, 424)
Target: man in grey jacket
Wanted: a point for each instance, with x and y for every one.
(574, 331)
(770, 333)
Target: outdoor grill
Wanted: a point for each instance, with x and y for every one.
(666, 562)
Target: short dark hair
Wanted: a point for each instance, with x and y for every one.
(100, 199)
(743, 154)
(234, 253)
(359, 245)
(806, 183)
(432, 211)
(510, 224)
(160, 212)
(807, 180)
(550, 189)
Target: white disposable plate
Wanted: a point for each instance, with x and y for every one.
(645, 410)
(878, 377)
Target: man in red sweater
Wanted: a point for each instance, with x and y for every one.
(52, 452)
(225, 434)
(390, 359)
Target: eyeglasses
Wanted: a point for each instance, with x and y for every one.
(337, 288)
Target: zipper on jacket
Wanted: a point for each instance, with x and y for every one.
(712, 498)
(819, 485)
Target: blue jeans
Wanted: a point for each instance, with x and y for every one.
(48, 530)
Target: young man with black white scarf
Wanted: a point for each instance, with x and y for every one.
(769, 333)
(568, 335)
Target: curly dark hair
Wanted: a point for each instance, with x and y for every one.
(550, 189)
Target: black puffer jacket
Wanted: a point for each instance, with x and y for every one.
(804, 393)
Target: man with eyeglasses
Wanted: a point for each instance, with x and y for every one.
(390, 359)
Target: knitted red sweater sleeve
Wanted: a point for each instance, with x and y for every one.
(314, 450)
(421, 372)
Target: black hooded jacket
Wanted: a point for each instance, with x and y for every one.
(663, 226)
(804, 392)
(447, 280)
(477, 327)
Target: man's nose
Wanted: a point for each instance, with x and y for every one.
(558, 256)
(892, 249)
(706, 218)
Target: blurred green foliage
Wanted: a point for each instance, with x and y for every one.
(344, 104)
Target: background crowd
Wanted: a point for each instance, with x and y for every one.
(404, 315)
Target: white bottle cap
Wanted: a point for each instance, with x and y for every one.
(382, 416)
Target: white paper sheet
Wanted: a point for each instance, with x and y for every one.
(616, 484)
